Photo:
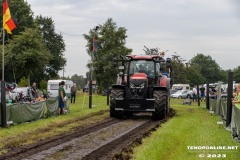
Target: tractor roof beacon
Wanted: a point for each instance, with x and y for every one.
(142, 86)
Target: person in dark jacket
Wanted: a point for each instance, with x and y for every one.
(73, 93)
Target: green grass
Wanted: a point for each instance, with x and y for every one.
(192, 126)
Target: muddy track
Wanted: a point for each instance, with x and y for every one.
(25, 151)
(104, 140)
(108, 151)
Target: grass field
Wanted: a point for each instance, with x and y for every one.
(192, 126)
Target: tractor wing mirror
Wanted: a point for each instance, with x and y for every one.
(168, 63)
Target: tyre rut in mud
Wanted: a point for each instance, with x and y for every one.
(25, 151)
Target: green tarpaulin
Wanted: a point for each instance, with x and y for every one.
(52, 107)
(223, 109)
(213, 104)
(25, 112)
(8, 113)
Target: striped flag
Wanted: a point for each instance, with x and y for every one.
(94, 45)
(8, 22)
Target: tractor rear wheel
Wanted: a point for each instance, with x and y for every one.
(115, 93)
(160, 104)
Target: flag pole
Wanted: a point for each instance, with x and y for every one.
(3, 53)
(3, 94)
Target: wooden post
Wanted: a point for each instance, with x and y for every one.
(229, 98)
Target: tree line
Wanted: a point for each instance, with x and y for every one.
(35, 51)
(111, 41)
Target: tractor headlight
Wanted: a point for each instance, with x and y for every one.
(132, 85)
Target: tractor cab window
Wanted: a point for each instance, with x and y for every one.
(142, 66)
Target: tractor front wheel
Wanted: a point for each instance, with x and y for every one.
(115, 93)
(160, 104)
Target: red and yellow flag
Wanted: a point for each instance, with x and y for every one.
(8, 22)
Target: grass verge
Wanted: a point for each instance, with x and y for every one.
(192, 126)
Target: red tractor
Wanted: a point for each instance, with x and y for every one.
(142, 86)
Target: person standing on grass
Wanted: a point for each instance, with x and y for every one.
(194, 94)
(73, 93)
(202, 91)
(61, 95)
(34, 90)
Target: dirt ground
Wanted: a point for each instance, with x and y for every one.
(107, 139)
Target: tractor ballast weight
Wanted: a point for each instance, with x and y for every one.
(142, 86)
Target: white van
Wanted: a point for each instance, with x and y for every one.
(181, 87)
(53, 85)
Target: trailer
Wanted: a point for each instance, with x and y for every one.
(53, 86)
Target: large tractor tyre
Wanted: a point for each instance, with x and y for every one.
(115, 93)
(160, 105)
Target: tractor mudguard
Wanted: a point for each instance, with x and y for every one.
(159, 88)
(118, 86)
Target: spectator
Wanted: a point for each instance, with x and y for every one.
(34, 90)
(202, 91)
(73, 93)
(61, 95)
(236, 99)
(194, 93)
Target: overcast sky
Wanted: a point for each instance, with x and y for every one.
(188, 27)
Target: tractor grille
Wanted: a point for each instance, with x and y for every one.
(138, 88)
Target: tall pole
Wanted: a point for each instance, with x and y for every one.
(3, 55)
(207, 97)
(90, 85)
(91, 70)
(3, 94)
(229, 98)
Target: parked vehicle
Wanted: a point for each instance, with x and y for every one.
(178, 94)
(53, 85)
(188, 94)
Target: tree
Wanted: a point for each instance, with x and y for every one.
(208, 67)
(194, 76)
(23, 82)
(22, 13)
(43, 84)
(179, 73)
(27, 54)
(111, 42)
(79, 80)
(54, 43)
(236, 74)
